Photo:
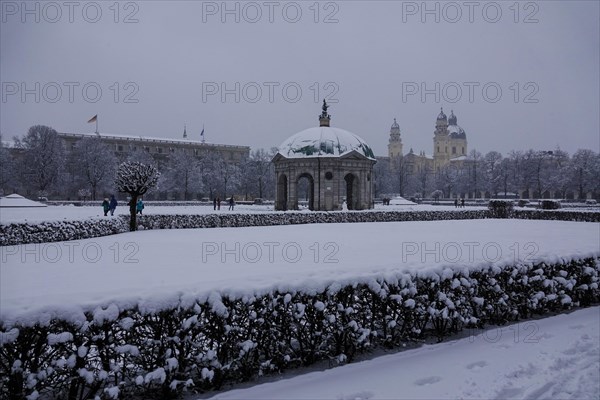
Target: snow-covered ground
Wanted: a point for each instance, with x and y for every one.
(552, 358)
(69, 213)
(154, 269)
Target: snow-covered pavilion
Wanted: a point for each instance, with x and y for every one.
(337, 164)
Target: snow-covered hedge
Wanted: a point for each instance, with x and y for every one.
(557, 215)
(500, 208)
(201, 343)
(55, 231)
(23, 233)
(291, 218)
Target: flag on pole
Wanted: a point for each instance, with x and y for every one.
(94, 119)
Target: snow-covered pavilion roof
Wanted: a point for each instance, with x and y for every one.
(15, 200)
(324, 141)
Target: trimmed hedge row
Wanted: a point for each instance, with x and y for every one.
(200, 344)
(23, 233)
(270, 219)
(56, 231)
(564, 215)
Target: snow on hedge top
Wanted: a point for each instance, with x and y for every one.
(15, 200)
(155, 270)
(324, 141)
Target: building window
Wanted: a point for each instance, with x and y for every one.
(329, 175)
(147, 149)
(453, 149)
(463, 150)
(159, 150)
(446, 149)
(119, 148)
(438, 149)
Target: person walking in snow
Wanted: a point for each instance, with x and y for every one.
(112, 205)
(215, 203)
(231, 203)
(218, 203)
(139, 206)
(462, 203)
(105, 206)
(456, 202)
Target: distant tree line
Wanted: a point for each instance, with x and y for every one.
(38, 165)
(527, 174)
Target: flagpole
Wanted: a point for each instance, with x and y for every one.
(203, 134)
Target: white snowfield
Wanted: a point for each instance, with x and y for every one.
(159, 269)
(552, 358)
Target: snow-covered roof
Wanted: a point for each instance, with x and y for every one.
(456, 131)
(15, 200)
(459, 158)
(146, 138)
(324, 141)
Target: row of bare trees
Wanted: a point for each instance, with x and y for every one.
(39, 165)
(528, 174)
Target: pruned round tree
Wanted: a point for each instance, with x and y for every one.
(135, 178)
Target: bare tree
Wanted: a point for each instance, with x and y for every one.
(94, 163)
(182, 173)
(474, 182)
(585, 169)
(492, 172)
(135, 179)
(382, 177)
(44, 157)
(448, 178)
(7, 167)
(218, 175)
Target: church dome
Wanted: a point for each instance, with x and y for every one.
(395, 125)
(455, 131)
(452, 119)
(441, 115)
(324, 141)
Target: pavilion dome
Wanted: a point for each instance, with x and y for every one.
(324, 141)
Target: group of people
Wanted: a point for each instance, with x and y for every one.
(457, 204)
(217, 203)
(111, 205)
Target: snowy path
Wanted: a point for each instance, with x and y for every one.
(552, 358)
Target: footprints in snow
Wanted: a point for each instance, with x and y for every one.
(428, 381)
(477, 365)
(364, 395)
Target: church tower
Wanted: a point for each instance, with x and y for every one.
(395, 144)
(441, 144)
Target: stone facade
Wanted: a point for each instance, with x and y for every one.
(159, 148)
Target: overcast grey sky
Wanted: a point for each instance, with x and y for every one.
(160, 65)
